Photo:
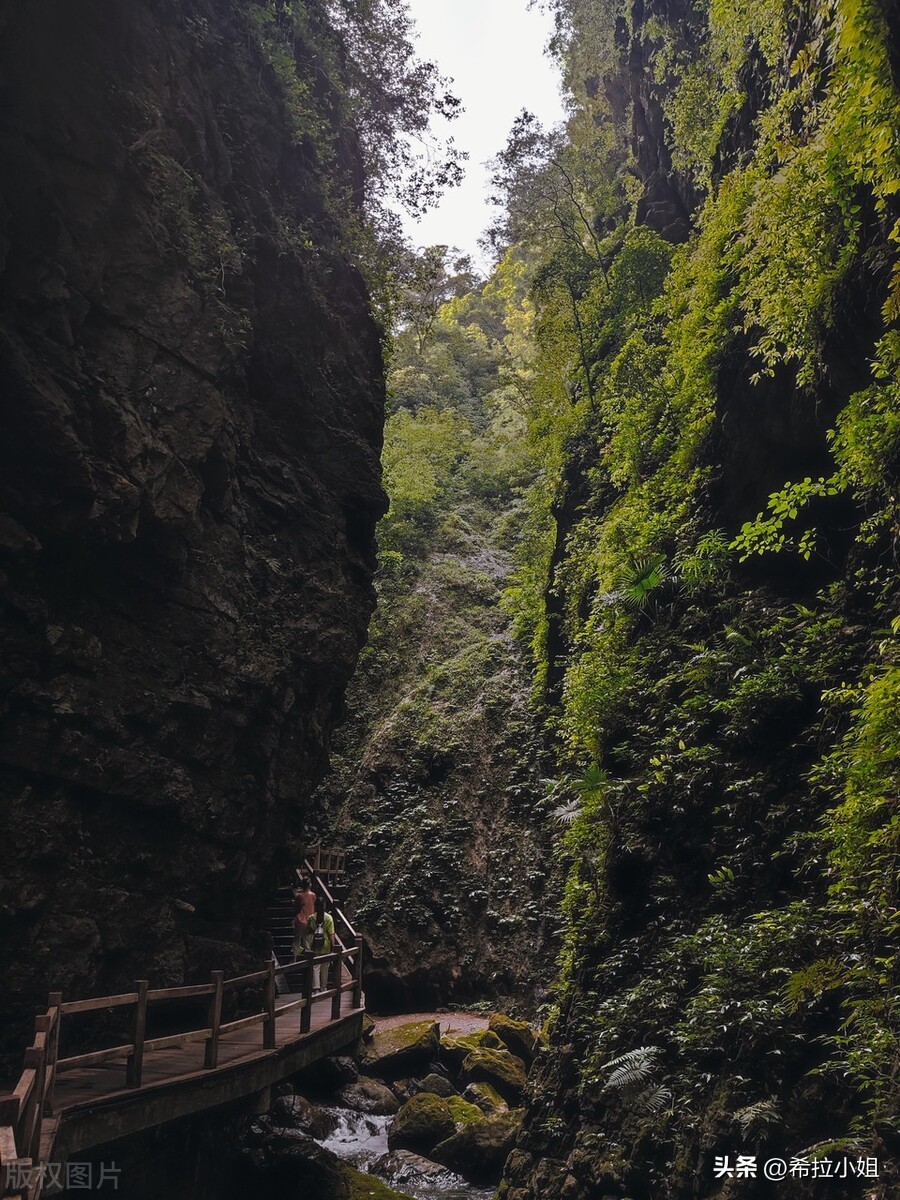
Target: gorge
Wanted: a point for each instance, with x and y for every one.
(617, 751)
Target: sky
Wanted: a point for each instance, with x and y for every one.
(493, 49)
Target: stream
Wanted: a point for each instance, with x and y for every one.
(362, 1141)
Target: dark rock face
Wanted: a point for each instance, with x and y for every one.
(669, 197)
(192, 397)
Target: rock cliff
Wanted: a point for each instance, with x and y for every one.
(192, 404)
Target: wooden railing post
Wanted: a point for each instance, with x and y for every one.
(134, 1064)
(269, 1023)
(357, 973)
(36, 1060)
(211, 1057)
(306, 1010)
(54, 1003)
(336, 982)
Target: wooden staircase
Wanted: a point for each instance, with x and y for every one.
(279, 922)
(326, 868)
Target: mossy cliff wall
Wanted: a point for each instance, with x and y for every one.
(722, 667)
(192, 404)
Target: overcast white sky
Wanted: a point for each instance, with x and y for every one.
(493, 49)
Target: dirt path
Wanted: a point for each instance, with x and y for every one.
(455, 1023)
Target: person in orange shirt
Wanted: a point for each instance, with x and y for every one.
(304, 907)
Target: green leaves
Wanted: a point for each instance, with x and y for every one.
(635, 583)
(766, 535)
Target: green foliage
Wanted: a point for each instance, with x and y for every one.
(758, 1118)
(635, 583)
(632, 1075)
(364, 50)
(766, 534)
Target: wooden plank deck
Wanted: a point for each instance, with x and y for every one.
(61, 1106)
(106, 1081)
(93, 1107)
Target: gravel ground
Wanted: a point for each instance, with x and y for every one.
(455, 1022)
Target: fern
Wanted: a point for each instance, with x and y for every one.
(654, 1098)
(565, 814)
(808, 984)
(632, 1070)
(758, 1117)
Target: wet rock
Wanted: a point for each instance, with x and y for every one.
(486, 1097)
(517, 1036)
(427, 1119)
(328, 1074)
(503, 1071)
(298, 1113)
(405, 1089)
(394, 1052)
(346, 1067)
(402, 1168)
(287, 1163)
(368, 1095)
(479, 1149)
(438, 1085)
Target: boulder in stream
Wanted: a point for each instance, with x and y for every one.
(326, 1074)
(503, 1071)
(454, 1050)
(296, 1112)
(286, 1163)
(486, 1097)
(437, 1085)
(402, 1168)
(517, 1036)
(478, 1150)
(427, 1119)
(369, 1095)
(399, 1051)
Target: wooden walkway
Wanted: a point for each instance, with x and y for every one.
(62, 1106)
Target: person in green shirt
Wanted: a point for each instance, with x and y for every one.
(319, 937)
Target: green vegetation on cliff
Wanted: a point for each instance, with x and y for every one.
(437, 784)
(713, 612)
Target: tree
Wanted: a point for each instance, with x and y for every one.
(427, 279)
(364, 62)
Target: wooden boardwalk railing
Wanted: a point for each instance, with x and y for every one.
(327, 862)
(29, 1114)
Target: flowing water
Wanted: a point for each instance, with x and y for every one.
(361, 1140)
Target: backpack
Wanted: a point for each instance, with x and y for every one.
(318, 938)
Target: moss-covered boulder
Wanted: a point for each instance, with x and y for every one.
(479, 1149)
(368, 1095)
(399, 1051)
(366, 1187)
(503, 1071)
(517, 1036)
(454, 1050)
(427, 1119)
(487, 1098)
